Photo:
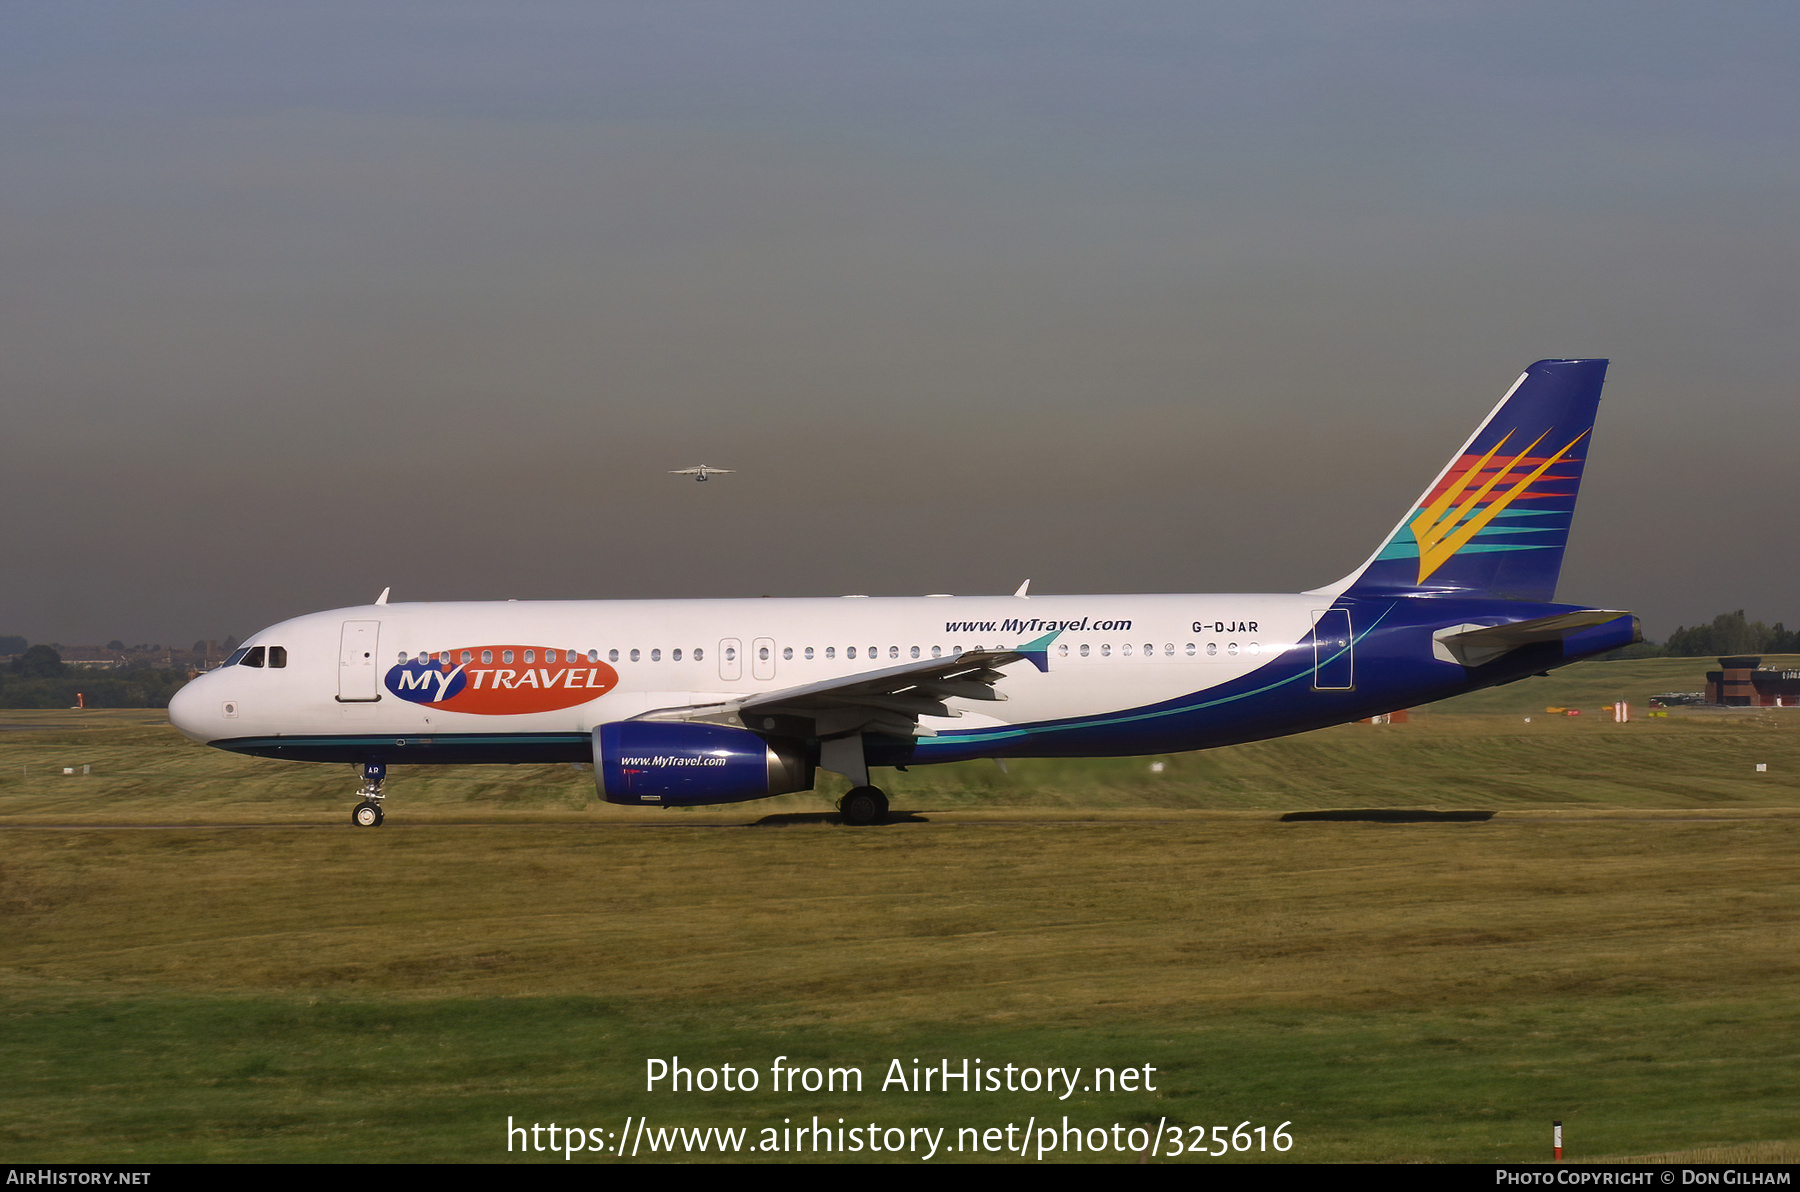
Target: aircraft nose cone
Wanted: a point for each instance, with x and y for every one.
(185, 711)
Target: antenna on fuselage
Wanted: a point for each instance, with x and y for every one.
(1021, 592)
(382, 599)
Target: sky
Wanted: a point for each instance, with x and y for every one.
(298, 302)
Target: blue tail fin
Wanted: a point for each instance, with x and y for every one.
(1496, 519)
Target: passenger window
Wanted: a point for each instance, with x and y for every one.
(1212, 648)
(487, 656)
(611, 656)
(253, 658)
(1084, 649)
(675, 655)
(893, 651)
(246, 650)
(656, 655)
(787, 652)
(634, 655)
(593, 655)
(850, 653)
(731, 653)
(699, 654)
(506, 656)
(1190, 649)
(277, 656)
(531, 655)
(1106, 651)
(1062, 651)
(831, 651)
(762, 653)
(915, 651)
(1150, 649)
(1125, 649)
(1255, 649)
(809, 653)
(1168, 649)
(937, 651)
(874, 651)
(1231, 649)
(465, 657)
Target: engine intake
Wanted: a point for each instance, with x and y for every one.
(664, 763)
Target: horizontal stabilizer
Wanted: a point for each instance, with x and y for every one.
(1477, 645)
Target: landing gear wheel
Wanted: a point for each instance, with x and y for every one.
(367, 814)
(864, 805)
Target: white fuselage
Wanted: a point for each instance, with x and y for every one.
(1109, 653)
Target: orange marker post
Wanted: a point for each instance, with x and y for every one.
(1557, 1139)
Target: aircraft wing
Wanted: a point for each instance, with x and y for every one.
(888, 701)
(1474, 645)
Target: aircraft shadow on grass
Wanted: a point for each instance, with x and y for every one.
(1388, 816)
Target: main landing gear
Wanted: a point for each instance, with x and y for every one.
(864, 805)
(368, 812)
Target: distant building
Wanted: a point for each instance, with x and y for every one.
(1743, 682)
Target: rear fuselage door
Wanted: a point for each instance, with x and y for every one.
(357, 652)
(1334, 664)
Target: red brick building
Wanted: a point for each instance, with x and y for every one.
(1743, 682)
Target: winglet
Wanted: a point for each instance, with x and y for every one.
(1038, 652)
(382, 599)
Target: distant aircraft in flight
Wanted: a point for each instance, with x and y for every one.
(682, 702)
(701, 472)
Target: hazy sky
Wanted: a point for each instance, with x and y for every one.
(302, 301)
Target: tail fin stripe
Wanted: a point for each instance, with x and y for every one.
(1435, 510)
(1442, 547)
(1441, 527)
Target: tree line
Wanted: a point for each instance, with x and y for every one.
(1731, 633)
(39, 678)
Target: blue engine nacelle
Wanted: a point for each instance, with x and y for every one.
(679, 763)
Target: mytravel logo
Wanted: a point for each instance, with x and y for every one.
(1470, 485)
(501, 680)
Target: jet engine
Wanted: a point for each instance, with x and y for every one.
(684, 763)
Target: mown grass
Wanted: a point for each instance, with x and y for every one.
(1615, 947)
(263, 1080)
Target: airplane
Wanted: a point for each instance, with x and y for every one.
(689, 702)
(701, 472)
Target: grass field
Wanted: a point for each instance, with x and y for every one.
(204, 961)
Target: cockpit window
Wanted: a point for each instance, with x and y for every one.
(238, 656)
(253, 658)
(277, 656)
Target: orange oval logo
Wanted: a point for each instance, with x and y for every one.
(499, 687)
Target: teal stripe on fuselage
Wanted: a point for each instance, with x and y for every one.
(1113, 721)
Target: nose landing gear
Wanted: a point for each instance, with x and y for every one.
(368, 812)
